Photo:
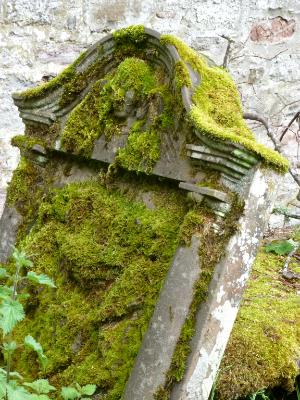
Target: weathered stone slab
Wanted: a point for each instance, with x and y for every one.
(217, 315)
(155, 355)
(9, 224)
(217, 194)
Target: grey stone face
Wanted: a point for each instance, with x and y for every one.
(9, 224)
(155, 355)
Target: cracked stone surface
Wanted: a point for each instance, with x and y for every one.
(39, 38)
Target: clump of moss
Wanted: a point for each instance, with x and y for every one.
(264, 345)
(133, 75)
(108, 255)
(182, 76)
(25, 142)
(134, 84)
(24, 192)
(132, 34)
(142, 150)
(83, 126)
(95, 116)
(217, 110)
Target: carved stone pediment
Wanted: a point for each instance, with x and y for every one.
(128, 100)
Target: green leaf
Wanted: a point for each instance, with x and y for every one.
(21, 259)
(16, 392)
(88, 390)
(12, 374)
(5, 292)
(23, 296)
(39, 397)
(15, 374)
(11, 312)
(282, 247)
(3, 273)
(69, 393)
(9, 348)
(41, 386)
(31, 343)
(41, 279)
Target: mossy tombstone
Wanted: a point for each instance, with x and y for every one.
(136, 165)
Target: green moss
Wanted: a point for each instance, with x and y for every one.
(182, 76)
(132, 34)
(83, 126)
(108, 255)
(106, 108)
(25, 142)
(264, 345)
(65, 76)
(142, 150)
(24, 192)
(94, 116)
(217, 110)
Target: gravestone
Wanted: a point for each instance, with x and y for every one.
(143, 193)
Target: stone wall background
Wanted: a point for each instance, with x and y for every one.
(38, 38)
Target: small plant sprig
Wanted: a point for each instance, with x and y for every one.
(12, 384)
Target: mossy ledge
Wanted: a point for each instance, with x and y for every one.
(216, 110)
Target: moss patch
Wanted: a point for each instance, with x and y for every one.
(24, 193)
(133, 86)
(217, 110)
(264, 345)
(109, 256)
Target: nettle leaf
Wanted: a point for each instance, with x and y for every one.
(282, 247)
(69, 393)
(41, 279)
(11, 312)
(16, 392)
(41, 386)
(39, 397)
(9, 348)
(23, 296)
(12, 374)
(5, 292)
(32, 344)
(15, 374)
(88, 390)
(21, 259)
(3, 273)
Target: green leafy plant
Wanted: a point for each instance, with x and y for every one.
(282, 247)
(12, 384)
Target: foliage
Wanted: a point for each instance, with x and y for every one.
(12, 384)
(281, 247)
